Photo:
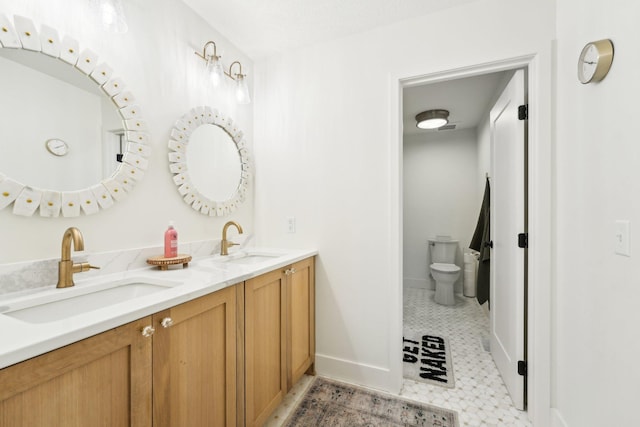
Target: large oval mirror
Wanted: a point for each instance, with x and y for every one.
(210, 161)
(71, 139)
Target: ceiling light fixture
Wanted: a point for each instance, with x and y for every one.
(215, 72)
(432, 119)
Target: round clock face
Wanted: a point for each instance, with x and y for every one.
(588, 63)
(57, 147)
(595, 61)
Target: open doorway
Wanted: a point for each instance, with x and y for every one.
(446, 176)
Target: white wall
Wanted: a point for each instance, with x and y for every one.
(324, 148)
(156, 60)
(598, 182)
(439, 198)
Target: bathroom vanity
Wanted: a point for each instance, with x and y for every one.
(221, 348)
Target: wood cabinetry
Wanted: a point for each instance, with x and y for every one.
(224, 359)
(194, 362)
(104, 380)
(264, 346)
(279, 344)
(301, 326)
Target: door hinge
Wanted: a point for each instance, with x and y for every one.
(523, 112)
(522, 368)
(523, 240)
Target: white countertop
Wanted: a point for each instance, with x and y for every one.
(20, 340)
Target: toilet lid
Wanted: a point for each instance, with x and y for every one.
(446, 268)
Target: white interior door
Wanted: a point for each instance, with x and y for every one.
(507, 314)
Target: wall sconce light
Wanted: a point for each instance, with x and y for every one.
(242, 90)
(432, 119)
(111, 15)
(216, 73)
(213, 68)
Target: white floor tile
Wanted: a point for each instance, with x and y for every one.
(479, 396)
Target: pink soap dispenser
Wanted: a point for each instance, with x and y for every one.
(170, 242)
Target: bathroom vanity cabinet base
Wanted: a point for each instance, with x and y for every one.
(279, 343)
(225, 359)
(104, 380)
(194, 362)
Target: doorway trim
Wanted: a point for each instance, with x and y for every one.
(539, 211)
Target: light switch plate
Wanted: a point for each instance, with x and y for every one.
(291, 224)
(622, 238)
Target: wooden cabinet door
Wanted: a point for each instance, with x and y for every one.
(300, 320)
(194, 362)
(265, 369)
(104, 380)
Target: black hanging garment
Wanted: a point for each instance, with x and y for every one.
(481, 242)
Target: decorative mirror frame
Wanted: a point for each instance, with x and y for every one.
(27, 199)
(178, 144)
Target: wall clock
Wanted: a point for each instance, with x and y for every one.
(57, 147)
(595, 61)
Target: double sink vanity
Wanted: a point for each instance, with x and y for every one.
(218, 343)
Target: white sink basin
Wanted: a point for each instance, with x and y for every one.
(241, 258)
(249, 259)
(58, 304)
(244, 257)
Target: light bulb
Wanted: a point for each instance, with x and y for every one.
(242, 90)
(111, 14)
(214, 70)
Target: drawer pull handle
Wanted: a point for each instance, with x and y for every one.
(147, 331)
(167, 322)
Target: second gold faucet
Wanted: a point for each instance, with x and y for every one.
(225, 244)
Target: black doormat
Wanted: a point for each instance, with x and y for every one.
(427, 359)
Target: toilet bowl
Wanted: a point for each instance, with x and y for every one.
(445, 276)
(445, 272)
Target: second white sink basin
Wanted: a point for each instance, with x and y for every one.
(59, 304)
(241, 258)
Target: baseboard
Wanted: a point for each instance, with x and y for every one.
(556, 419)
(356, 373)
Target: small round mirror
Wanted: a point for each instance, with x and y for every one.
(210, 161)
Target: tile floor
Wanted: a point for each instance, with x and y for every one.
(479, 396)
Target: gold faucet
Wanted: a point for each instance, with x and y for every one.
(66, 267)
(225, 244)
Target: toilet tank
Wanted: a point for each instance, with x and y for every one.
(443, 251)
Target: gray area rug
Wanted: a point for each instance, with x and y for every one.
(332, 403)
(427, 358)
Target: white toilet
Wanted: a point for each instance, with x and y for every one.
(443, 268)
